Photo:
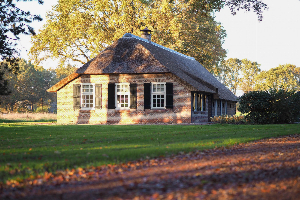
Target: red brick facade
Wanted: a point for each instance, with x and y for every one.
(181, 112)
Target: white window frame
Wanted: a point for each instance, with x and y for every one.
(83, 100)
(120, 93)
(154, 94)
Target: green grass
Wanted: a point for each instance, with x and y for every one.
(27, 149)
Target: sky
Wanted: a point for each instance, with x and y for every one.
(271, 42)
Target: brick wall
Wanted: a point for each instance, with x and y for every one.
(181, 112)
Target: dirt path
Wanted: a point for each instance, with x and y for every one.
(266, 169)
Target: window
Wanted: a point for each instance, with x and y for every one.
(158, 95)
(199, 102)
(122, 95)
(87, 96)
(158, 91)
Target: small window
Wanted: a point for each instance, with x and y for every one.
(199, 102)
(122, 95)
(158, 95)
(87, 96)
(203, 102)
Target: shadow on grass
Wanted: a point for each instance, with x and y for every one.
(210, 172)
(89, 145)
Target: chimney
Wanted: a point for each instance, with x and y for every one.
(146, 34)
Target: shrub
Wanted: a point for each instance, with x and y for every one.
(41, 109)
(268, 107)
(227, 119)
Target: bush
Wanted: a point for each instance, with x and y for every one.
(269, 107)
(41, 109)
(227, 119)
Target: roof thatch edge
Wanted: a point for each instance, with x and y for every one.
(63, 82)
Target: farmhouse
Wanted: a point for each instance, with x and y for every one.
(136, 81)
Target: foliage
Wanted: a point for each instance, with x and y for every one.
(42, 109)
(266, 107)
(14, 22)
(238, 74)
(227, 119)
(28, 150)
(28, 87)
(90, 26)
(285, 77)
(249, 71)
(62, 72)
(230, 73)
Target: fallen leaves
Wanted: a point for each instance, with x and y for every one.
(266, 169)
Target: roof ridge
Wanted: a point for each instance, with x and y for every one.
(129, 35)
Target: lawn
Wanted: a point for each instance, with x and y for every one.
(28, 149)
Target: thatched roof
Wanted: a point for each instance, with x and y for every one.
(132, 54)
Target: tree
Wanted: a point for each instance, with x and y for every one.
(230, 73)
(90, 26)
(238, 74)
(14, 22)
(30, 84)
(207, 6)
(249, 71)
(286, 77)
(62, 72)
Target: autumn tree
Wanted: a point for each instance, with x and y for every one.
(238, 74)
(285, 77)
(230, 73)
(78, 30)
(249, 71)
(14, 22)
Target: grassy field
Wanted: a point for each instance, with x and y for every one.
(28, 149)
(21, 117)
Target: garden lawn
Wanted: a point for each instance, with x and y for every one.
(27, 149)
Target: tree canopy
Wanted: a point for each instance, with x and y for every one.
(285, 77)
(90, 26)
(14, 22)
(239, 74)
(29, 85)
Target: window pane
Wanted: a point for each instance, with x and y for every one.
(122, 93)
(162, 87)
(158, 103)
